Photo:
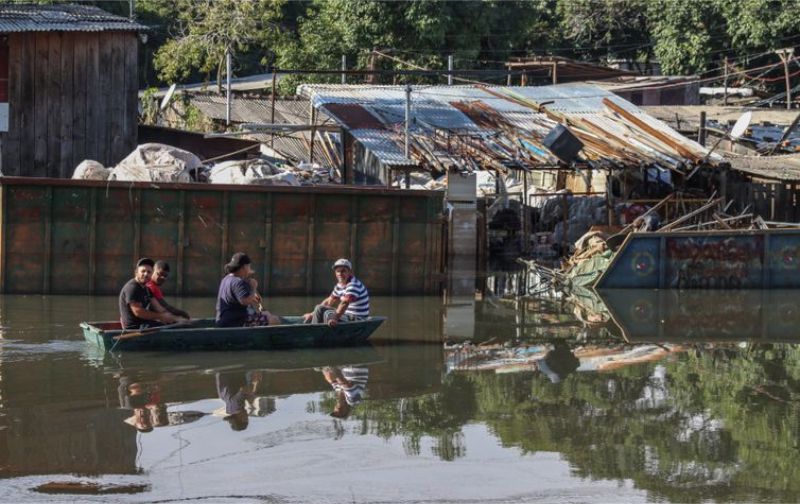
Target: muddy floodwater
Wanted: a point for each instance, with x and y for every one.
(632, 397)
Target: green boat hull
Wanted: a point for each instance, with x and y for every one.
(204, 335)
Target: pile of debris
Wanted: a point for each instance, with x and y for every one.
(592, 253)
(154, 162)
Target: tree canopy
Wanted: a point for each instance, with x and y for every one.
(189, 37)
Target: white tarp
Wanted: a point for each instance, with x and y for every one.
(91, 170)
(154, 162)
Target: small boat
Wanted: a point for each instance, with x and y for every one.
(203, 334)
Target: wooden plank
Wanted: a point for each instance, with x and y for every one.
(66, 104)
(11, 143)
(137, 224)
(93, 97)
(53, 104)
(27, 105)
(79, 93)
(40, 106)
(104, 95)
(116, 98)
(131, 82)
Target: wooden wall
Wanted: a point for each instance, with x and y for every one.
(72, 96)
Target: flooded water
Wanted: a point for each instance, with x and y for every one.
(696, 398)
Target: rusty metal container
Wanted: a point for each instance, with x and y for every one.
(83, 237)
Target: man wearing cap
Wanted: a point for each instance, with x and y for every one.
(237, 293)
(160, 274)
(350, 294)
(137, 308)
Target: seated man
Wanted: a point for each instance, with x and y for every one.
(237, 293)
(160, 274)
(350, 294)
(137, 308)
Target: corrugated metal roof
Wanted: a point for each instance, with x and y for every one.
(384, 145)
(627, 136)
(64, 17)
(784, 168)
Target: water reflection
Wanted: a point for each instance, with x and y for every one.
(694, 398)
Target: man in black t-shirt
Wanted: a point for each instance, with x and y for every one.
(137, 308)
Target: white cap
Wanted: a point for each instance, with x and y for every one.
(342, 262)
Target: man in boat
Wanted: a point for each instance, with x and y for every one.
(349, 294)
(137, 308)
(160, 274)
(238, 300)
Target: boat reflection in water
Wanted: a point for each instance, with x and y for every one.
(709, 315)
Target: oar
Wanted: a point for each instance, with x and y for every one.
(152, 330)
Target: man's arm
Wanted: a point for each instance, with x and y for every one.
(172, 309)
(343, 304)
(143, 313)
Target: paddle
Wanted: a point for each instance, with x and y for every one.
(152, 330)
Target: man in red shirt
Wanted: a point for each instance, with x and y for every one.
(160, 274)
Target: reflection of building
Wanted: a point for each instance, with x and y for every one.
(55, 422)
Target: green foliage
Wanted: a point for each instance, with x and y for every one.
(203, 30)
(188, 38)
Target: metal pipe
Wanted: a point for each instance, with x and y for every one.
(228, 87)
(408, 119)
(449, 69)
(344, 69)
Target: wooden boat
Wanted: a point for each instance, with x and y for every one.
(203, 334)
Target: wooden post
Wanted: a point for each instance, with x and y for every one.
(47, 215)
(310, 248)
(725, 81)
(267, 246)
(272, 106)
(555, 72)
(701, 131)
(785, 55)
(181, 240)
(92, 240)
(313, 114)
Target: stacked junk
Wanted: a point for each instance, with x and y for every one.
(154, 162)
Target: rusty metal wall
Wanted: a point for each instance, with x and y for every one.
(83, 237)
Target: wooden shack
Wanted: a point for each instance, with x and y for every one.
(68, 88)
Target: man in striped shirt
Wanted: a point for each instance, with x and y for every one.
(349, 293)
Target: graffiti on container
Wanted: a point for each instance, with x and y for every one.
(714, 263)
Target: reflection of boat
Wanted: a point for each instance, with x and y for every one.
(175, 363)
(204, 335)
(691, 316)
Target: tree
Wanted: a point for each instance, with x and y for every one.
(204, 30)
(687, 34)
(607, 28)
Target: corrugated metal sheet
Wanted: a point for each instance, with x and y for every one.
(640, 138)
(39, 18)
(384, 145)
(785, 168)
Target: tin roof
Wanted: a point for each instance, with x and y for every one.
(506, 125)
(63, 17)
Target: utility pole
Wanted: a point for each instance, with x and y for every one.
(408, 119)
(228, 87)
(725, 82)
(785, 55)
(449, 69)
(132, 10)
(344, 69)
